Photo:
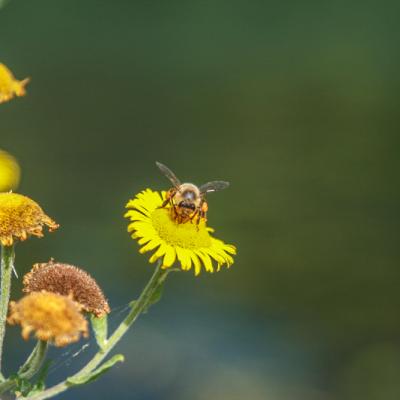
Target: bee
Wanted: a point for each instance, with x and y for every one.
(186, 199)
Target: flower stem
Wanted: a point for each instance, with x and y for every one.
(7, 261)
(34, 361)
(144, 301)
(31, 366)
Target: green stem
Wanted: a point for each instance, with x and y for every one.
(34, 362)
(7, 261)
(31, 366)
(138, 307)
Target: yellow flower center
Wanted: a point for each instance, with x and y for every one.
(188, 235)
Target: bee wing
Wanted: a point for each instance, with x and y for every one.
(213, 186)
(169, 174)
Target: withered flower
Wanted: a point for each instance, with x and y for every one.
(67, 280)
(52, 317)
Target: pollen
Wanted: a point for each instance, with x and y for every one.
(67, 280)
(21, 217)
(9, 86)
(50, 316)
(9, 172)
(188, 235)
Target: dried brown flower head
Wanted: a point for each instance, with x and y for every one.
(69, 281)
(52, 317)
(21, 217)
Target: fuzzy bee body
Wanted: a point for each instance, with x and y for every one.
(186, 199)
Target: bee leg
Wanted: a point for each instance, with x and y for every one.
(165, 202)
(203, 211)
(168, 197)
(202, 215)
(196, 212)
(175, 213)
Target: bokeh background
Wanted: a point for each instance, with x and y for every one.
(295, 103)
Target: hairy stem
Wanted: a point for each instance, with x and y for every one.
(7, 261)
(138, 307)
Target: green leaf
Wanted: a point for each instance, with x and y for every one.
(100, 329)
(23, 386)
(132, 303)
(155, 297)
(28, 389)
(82, 380)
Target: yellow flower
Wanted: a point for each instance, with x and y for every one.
(21, 217)
(9, 172)
(52, 317)
(188, 243)
(9, 86)
(67, 280)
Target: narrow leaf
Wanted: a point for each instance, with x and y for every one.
(82, 380)
(100, 329)
(132, 303)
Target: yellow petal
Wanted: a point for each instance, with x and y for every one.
(196, 263)
(183, 257)
(170, 257)
(159, 253)
(134, 215)
(149, 246)
(205, 258)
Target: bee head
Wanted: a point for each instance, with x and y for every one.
(189, 195)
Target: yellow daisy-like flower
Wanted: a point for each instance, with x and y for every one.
(9, 86)
(51, 316)
(190, 244)
(9, 172)
(21, 217)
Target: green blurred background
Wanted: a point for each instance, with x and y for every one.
(295, 103)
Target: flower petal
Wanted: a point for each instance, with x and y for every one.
(150, 246)
(205, 258)
(184, 258)
(196, 263)
(170, 257)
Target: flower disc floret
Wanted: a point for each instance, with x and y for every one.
(190, 244)
(21, 217)
(50, 316)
